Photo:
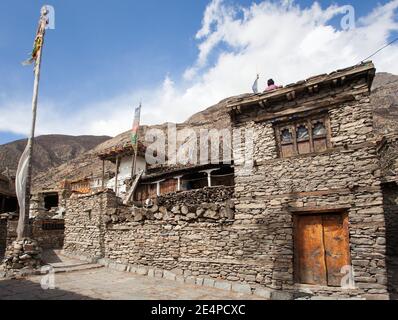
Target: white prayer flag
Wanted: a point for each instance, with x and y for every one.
(255, 85)
(20, 186)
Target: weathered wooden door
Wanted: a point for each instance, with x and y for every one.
(337, 247)
(310, 252)
(321, 248)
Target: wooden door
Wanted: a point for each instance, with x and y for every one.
(337, 247)
(310, 253)
(321, 248)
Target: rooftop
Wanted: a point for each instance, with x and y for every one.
(121, 151)
(310, 85)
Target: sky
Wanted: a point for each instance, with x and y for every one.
(177, 57)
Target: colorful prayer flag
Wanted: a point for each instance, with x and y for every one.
(38, 43)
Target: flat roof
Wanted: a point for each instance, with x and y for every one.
(265, 98)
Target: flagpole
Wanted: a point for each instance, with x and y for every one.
(134, 166)
(23, 222)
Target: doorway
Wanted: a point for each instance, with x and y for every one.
(51, 201)
(322, 248)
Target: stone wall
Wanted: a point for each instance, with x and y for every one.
(250, 241)
(389, 158)
(196, 197)
(92, 220)
(390, 193)
(206, 247)
(46, 239)
(3, 237)
(84, 223)
(216, 249)
(345, 178)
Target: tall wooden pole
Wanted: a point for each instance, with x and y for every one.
(135, 161)
(135, 147)
(103, 175)
(23, 223)
(117, 175)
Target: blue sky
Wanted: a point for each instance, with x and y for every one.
(104, 56)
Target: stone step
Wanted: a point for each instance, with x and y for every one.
(67, 265)
(67, 269)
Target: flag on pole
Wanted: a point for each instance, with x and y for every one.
(38, 43)
(136, 126)
(255, 85)
(24, 171)
(20, 184)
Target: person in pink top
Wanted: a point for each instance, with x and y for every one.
(272, 86)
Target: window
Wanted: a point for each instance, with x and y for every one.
(287, 142)
(302, 137)
(320, 136)
(53, 225)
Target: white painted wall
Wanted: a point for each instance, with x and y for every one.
(96, 183)
(125, 173)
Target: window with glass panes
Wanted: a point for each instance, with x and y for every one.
(303, 137)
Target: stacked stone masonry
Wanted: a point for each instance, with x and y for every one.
(247, 236)
(346, 176)
(46, 239)
(3, 237)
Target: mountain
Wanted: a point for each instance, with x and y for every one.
(384, 99)
(385, 102)
(50, 151)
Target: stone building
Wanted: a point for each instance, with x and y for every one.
(316, 190)
(8, 199)
(314, 213)
(162, 180)
(123, 158)
(44, 225)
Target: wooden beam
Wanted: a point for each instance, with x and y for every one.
(320, 210)
(356, 72)
(305, 107)
(103, 175)
(117, 175)
(130, 195)
(343, 80)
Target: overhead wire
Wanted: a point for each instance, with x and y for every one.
(381, 49)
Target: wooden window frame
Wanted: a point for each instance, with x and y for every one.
(293, 127)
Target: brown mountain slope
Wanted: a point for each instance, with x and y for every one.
(384, 99)
(50, 151)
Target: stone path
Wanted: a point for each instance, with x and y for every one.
(61, 263)
(78, 280)
(105, 284)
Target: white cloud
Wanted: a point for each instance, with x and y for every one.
(276, 39)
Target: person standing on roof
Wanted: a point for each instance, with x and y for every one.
(272, 86)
